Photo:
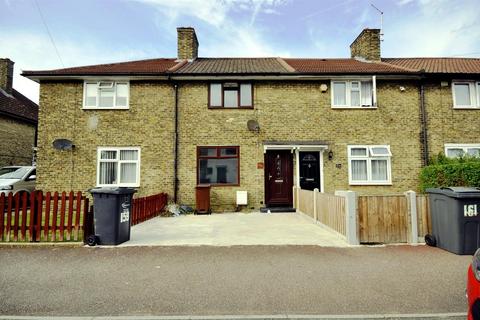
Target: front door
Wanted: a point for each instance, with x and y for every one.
(310, 170)
(278, 178)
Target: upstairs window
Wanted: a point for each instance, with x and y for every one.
(466, 94)
(231, 95)
(106, 95)
(353, 94)
(460, 150)
(369, 165)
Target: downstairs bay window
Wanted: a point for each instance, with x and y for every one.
(369, 165)
(353, 93)
(118, 167)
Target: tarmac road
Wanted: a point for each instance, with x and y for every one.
(244, 280)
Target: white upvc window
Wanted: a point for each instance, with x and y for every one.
(106, 94)
(466, 94)
(369, 165)
(453, 150)
(353, 93)
(119, 167)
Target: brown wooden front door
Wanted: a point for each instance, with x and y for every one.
(278, 178)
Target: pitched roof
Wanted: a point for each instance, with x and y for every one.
(150, 66)
(18, 106)
(272, 66)
(332, 66)
(438, 65)
(234, 66)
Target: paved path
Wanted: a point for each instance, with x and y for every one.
(233, 229)
(256, 280)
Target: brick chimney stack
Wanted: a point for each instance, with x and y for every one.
(187, 43)
(6, 75)
(367, 45)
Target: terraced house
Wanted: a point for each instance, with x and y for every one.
(260, 125)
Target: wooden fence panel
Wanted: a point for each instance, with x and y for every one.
(331, 211)
(383, 219)
(423, 214)
(305, 202)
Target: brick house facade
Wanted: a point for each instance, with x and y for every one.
(365, 123)
(18, 121)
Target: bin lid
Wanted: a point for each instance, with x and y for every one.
(457, 192)
(203, 185)
(112, 190)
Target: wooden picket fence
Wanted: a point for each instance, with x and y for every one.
(146, 208)
(43, 217)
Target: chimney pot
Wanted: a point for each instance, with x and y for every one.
(367, 45)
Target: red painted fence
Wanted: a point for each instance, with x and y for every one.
(148, 207)
(43, 217)
(53, 217)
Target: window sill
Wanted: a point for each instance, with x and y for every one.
(223, 108)
(219, 184)
(347, 107)
(370, 183)
(117, 186)
(466, 108)
(113, 108)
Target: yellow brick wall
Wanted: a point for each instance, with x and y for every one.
(147, 124)
(446, 124)
(288, 111)
(17, 140)
(292, 111)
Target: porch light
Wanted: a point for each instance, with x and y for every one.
(330, 155)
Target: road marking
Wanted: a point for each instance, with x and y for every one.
(417, 316)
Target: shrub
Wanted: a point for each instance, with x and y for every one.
(449, 172)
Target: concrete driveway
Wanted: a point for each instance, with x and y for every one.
(229, 229)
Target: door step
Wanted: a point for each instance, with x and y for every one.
(277, 209)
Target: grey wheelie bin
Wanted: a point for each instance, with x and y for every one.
(111, 214)
(455, 216)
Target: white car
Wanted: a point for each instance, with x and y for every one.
(17, 179)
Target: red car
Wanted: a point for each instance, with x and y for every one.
(473, 288)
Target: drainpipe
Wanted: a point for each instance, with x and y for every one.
(424, 135)
(175, 150)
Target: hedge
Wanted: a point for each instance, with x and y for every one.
(447, 172)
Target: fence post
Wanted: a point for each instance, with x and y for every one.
(412, 213)
(315, 192)
(294, 191)
(351, 217)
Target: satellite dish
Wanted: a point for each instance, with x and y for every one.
(63, 144)
(253, 125)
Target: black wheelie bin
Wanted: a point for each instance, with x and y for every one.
(111, 214)
(455, 217)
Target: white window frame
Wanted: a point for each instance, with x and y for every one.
(369, 159)
(119, 162)
(114, 85)
(474, 94)
(348, 85)
(463, 146)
